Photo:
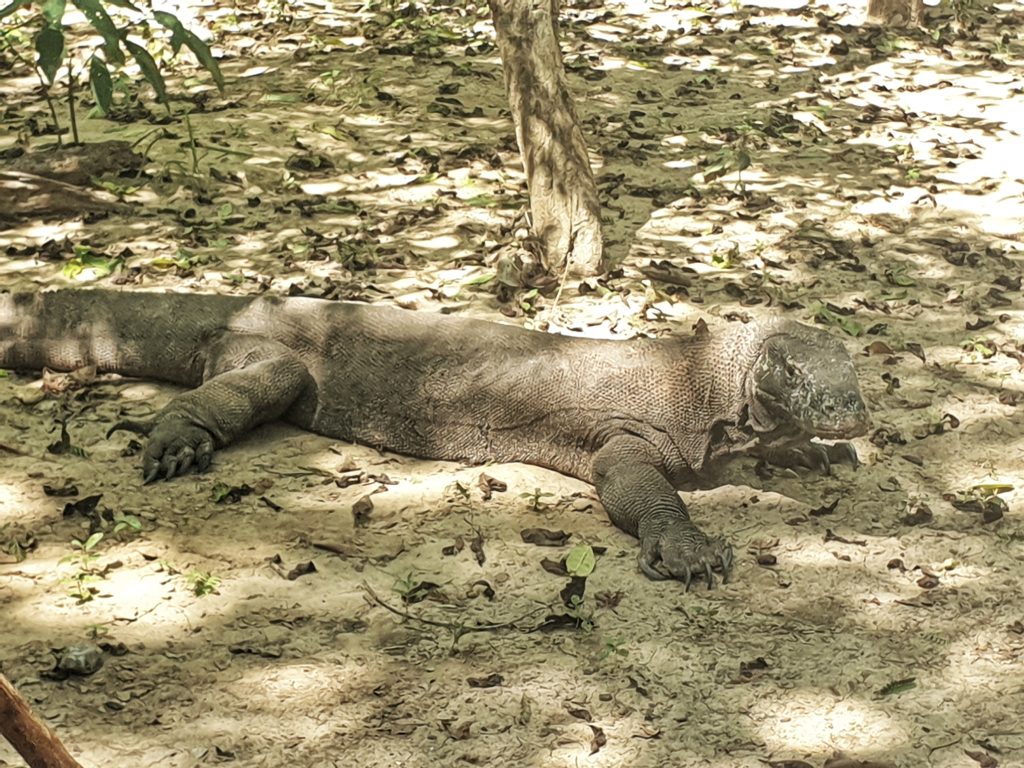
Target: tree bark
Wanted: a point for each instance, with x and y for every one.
(563, 196)
(29, 735)
(896, 13)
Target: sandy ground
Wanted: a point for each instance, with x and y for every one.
(883, 196)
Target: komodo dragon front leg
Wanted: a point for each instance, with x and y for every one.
(247, 381)
(640, 500)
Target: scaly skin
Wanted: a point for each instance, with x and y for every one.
(639, 419)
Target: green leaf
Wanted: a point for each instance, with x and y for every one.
(203, 583)
(898, 686)
(580, 561)
(898, 277)
(982, 347)
(132, 522)
(722, 260)
(100, 20)
(99, 265)
(851, 327)
(482, 201)
(93, 540)
(100, 82)
(171, 22)
(479, 279)
(990, 489)
(279, 98)
(150, 71)
(165, 262)
(123, 4)
(50, 46)
(201, 50)
(53, 11)
(8, 10)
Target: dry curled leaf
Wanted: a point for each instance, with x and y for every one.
(489, 486)
(361, 511)
(457, 545)
(492, 680)
(983, 759)
(542, 537)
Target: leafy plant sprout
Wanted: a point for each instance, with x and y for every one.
(45, 28)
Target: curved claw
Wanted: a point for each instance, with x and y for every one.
(727, 561)
(174, 448)
(824, 461)
(650, 571)
(846, 452)
(681, 551)
(138, 427)
(815, 456)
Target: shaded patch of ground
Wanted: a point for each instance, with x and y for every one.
(878, 194)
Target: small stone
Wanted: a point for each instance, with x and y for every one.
(83, 659)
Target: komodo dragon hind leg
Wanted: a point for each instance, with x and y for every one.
(248, 381)
(815, 456)
(640, 500)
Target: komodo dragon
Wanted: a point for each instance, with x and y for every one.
(638, 419)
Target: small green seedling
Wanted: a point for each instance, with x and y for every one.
(85, 558)
(537, 501)
(614, 647)
(581, 613)
(123, 522)
(203, 583)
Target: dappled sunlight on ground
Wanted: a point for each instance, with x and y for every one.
(772, 161)
(811, 722)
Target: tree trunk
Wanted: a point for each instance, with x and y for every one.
(563, 195)
(896, 13)
(29, 735)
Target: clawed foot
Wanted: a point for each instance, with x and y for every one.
(815, 456)
(681, 550)
(175, 446)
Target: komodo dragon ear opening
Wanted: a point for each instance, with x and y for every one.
(807, 380)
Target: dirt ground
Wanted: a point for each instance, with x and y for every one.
(875, 613)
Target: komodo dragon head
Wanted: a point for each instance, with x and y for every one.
(803, 384)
